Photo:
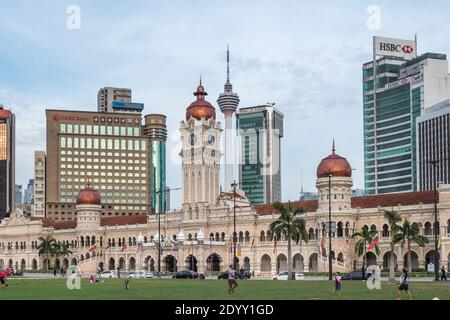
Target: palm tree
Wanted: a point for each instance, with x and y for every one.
(47, 247)
(62, 250)
(410, 233)
(290, 224)
(366, 236)
(393, 217)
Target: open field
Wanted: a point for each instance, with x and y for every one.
(169, 289)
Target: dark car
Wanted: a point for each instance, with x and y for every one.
(188, 274)
(355, 275)
(240, 275)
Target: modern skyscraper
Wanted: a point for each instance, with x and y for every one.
(155, 128)
(28, 197)
(18, 195)
(117, 100)
(107, 150)
(7, 162)
(260, 130)
(405, 84)
(433, 146)
(39, 183)
(228, 102)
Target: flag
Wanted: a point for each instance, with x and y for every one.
(374, 242)
(274, 244)
(439, 242)
(405, 242)
(238, 250)
(124, 247)
(190, 250)
(93, 248)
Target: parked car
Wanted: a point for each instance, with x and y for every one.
(242, 276)
(108, 274)
(149, 275)
(355, 275)
(138, 274)
(187, 274)
(284, 276)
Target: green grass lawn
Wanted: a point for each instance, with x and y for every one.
(55, 289)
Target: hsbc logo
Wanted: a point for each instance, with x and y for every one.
(391, 47)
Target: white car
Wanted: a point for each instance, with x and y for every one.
(108, 274)
(284, 276)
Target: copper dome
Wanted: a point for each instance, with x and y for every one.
(88, 196)
(200, 108)
(334, 164)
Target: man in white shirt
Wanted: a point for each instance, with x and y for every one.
(232, 283)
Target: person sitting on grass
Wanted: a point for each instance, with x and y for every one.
(403, 285)
(337, 282)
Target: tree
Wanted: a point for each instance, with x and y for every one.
(393, 217)
(290, 224)
(366, 236)
(47, 247)
(62, 250)
(410, 233)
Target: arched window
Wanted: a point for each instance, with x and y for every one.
(82, 241)
(340, 229)
(241, 236)
(347, 231)
(247, 236)
(211, 236)
(269, 235)
(340, 257)
(120, 242)
(385, 232)
(189, 236)
(448, 226)
(217, 236)
(262, 236)
(373, 227)
(222, 236)
(428, 230)
(311, 233)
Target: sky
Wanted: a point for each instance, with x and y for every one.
(305, 56)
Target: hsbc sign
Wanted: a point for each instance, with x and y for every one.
(395, 47)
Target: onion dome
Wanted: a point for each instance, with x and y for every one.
(180, 236)
(200, 108)
(334, 164)
(88, 196)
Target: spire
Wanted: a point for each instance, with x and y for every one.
(200, 79)
(228, 64)
(334, 148)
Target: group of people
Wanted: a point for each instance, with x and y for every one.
(62, 272)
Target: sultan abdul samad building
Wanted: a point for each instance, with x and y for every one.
(199, 235)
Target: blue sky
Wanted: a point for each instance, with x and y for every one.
(305, 56)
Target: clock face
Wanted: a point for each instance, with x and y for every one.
(192, 139)
(211, 139)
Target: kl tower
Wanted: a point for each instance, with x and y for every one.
(228, 102)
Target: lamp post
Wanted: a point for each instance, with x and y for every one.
(330, 266)
(435, 164)
(160, 192)
(234, 186)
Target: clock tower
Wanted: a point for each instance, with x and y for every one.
(200, 154)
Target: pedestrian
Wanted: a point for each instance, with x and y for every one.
(3, 279)
(54, 272)
(443, 274)
(337, 282)
(232, 282)
(62, 272)
(126, 283)
(118, 272)
(91, 278)
(403, 285)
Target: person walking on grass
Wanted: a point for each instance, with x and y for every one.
(232, 282)
(403, 285)
(443, 274)
(337, 282)
(3, 279)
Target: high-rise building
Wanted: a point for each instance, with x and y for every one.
(405, 84)
(107, 151)
(18, 195)
(155, 128)
(228, 102)
(28, 197)
(117, 100)
(260, 130)
(39, 183)
(433, 146)
(7, 162)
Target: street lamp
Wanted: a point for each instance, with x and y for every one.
(330, 266)
(435, 164)
(234, 186)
